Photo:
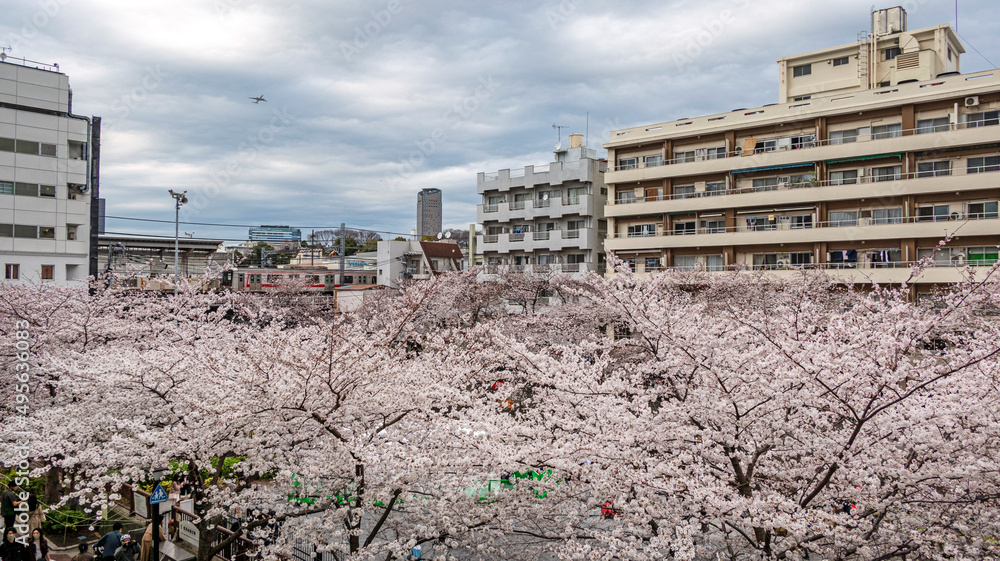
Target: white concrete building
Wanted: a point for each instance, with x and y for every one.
(545, 218)
(48, 172)
(399, 260)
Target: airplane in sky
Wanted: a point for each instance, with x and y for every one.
(258, 99)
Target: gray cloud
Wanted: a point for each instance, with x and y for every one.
(378, 99)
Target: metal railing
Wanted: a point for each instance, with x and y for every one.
(491, 208)
(570, 234)
(785, 226)
(934, 129)
(865, 179)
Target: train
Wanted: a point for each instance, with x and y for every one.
(257, 279)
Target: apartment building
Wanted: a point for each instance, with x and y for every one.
(546, 218)
(48, 177)
(276, 234)
(861, 181)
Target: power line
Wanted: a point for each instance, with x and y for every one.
(220, 225)
(975, 49)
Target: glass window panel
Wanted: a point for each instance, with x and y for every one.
(26, 147)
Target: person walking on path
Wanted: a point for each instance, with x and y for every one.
(8, 500)
(127, 550)
(147, 542)
(38, 548)
(110, 542)
(35, 513)
(11, 549)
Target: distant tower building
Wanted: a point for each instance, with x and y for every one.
(428, 212)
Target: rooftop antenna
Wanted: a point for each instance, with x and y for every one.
(3, 53)
(559, 129)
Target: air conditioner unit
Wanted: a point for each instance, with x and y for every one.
(71, 235)
(958, 260)
(972, 101)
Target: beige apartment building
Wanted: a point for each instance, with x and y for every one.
(860, 175)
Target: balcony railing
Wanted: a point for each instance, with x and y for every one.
(859, 266)
(843, 223)
(540, 236)
(541, 203)
(495, 238)
(516, 236)
(641, 164)
(516, 205)
(956, 171)
(491, 208)
(570, 234)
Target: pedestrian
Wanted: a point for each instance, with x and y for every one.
(147, 542)
(109, 543)
(127, 550)
(38, 547)
(84, 555)
(35, 513)
(8, 500)
(11, 549)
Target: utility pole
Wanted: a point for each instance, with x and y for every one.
(179, 199)
(343, 248)
(312, 248)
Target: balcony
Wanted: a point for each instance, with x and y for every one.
(908, 140)
(866, 187)
(520, 210)
(865, 273)
(907, 227)
(552, 240)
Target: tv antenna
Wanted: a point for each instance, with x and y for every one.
(559, 129)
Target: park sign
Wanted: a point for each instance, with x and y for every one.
(189, 532)
(158, 496)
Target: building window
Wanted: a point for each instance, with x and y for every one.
(765, 146)
(683, 157)
(844, 137)
(626, 197)
(628, 163)
(934, 169)
(843, 218)
(802, 98)
(980, 211)
(26, 189)
(26, 147)
(48, 271)
(933, 213)
(949, 53)
(685, 263)
(887, 131)
(804, 141)
(716, 188)
(684, 191)
(985, 119)
(653, 161)
(713, 226)
(685, 228)
(882, 216)
(30, 232)
(984, 164)
(573, 195)
(46, 232)
(717, 153)
(6, 230)
(765, 184)
(982, 256)
(803, 70)
(641, 230)
(47, 191)
(940, 124)
(888, 173)
(47, 150)
(714, 263)
(846, 177)
(6, 187)
(842, 61)
(652, 264)
(800, 221)
(6, 144)
(891, 53)
(12, 271)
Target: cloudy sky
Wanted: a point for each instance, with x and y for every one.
(370, 101)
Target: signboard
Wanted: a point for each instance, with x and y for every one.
(158, 496)
(188, 532)
(141, 508)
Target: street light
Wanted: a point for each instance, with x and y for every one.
(179, 199)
